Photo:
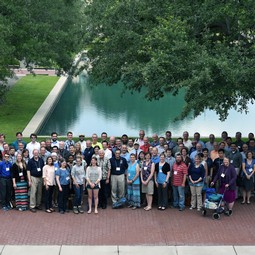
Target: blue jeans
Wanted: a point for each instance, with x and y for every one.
(78, 195)
(179, 197)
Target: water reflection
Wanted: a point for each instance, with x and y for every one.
(86, 110)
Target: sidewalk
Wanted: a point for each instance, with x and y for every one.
(128, 250)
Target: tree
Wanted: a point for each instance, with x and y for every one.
(206, 47)
(46, 33)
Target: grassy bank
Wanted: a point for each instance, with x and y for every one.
(22, 102)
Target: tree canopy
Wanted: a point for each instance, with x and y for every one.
(45, 33)
(205, 47)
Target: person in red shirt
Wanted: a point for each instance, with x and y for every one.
(146, 145)
(180, 171)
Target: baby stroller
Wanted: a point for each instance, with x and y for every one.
(213, 202)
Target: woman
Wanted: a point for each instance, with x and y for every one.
(141, 158)
(208, 168)
(19, 179)
(162, 174)
(63, 182)
(196, 174)
(96, 152)
(185, 156)
(54, 156)
(78, 149)
(49, 182)
(248, 168)
(147, 172)
(133, 183)
(227, 177)
(93, 177)
(25, 155)
(78, 177)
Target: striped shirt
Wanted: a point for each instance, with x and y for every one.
(179, 170)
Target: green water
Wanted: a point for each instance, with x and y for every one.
(86, 110)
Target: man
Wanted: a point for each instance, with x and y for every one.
(244, 150)
(228, 143)
(180, 171)
(88, 153)
(118, 145)
(54, 139)
(12, 156)
(44, 154)
(107, 152)
(155, 141)
(104, 136)
(118, 168)
(20, 149)
(69, 140)
(239, 142)
(48, 145)
(197, 139)
(19, 137)
(169, 140)
(111, 145)
(124, 153)
(146, 145)
(72, 151)
(34, 174)
(224, 135)
(251, 145)
(209, 144)
(136, 150)
(169, 158)
(177, 147)
(193, 148)
(95, 141)
(63, 153)
(216, 165)
(161, 147)
(124, 139)
(186, 141)
(198, 150)
(105, 165)
(141, 136)
(33, 145)
(130, 144)
(5, 182)
(82, 142)
(214, 153)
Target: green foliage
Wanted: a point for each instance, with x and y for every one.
(206, 47)
(22, 102)
(45, 33)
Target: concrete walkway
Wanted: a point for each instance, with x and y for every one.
(127, 250)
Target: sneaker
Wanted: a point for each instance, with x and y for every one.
(134, 207)
(9, 207)
(75, 210)
(198, 209)
(191, 208)
(80, 209)
(181, 209)
(5, 208)
(20, 209)
(61, 212)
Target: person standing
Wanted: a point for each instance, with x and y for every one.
(133, 183)
(196, 181)
(93, 177)
(104, 163)
(118, 168)
(34, 173)
(49, 182)
(69, 141)
(180, 171)
(19, 179)
(5, 182)
(33, 145)
(78, 177)
(162, 174)
(63, 182)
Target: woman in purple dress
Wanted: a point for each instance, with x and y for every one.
(227, 177)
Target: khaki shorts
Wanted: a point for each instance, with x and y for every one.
(148, 189)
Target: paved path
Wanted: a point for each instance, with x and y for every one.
(128, 227)
(127, 250)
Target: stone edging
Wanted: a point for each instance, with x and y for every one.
(46, 108)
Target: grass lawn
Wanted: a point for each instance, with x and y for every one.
(22, 102)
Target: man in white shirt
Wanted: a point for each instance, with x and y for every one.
(107, 152)
(33, 145)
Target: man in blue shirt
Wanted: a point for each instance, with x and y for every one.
(118, 168)
(5, 182)
(19, 137)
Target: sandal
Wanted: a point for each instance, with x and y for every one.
(148, 209)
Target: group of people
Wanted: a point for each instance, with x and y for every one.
(143, 170)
